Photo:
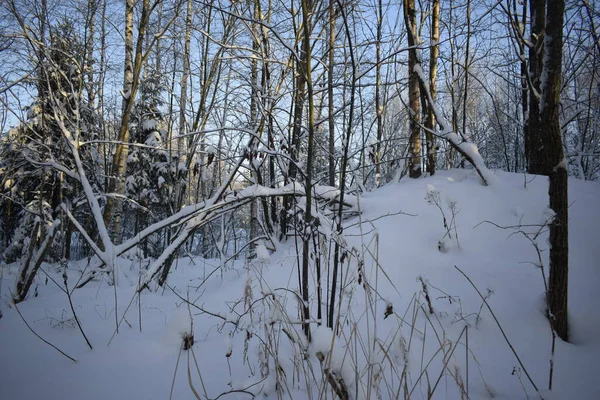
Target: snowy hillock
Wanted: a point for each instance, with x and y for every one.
(442, 297)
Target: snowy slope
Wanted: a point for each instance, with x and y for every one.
(402, 354)
(499, 262)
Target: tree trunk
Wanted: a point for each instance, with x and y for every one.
(119, 163)
(253, 122)
(554, 165)
(378, 105)
(524, 89)
(294, 145)
(337, 252)
(41, 241)
(89, 62)
(467, 65)
(330, 104)
(180, 186)
(451, 155)
(133, 68)
(533, 127)
(67, 240)
(305, 68)
(433, 59)
(414, 165)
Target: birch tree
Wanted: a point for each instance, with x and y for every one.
(410, 20)
(433, 60)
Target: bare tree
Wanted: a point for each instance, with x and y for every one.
(119, 163)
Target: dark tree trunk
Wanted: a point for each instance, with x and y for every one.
(378, 102)
(294, 145)
(555, 166)
(68, 237)
(524, 88)
(307, 9)
(533, 130)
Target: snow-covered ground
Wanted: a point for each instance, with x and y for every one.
(244, 318)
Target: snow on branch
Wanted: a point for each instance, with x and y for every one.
(213, 209)
(466, 148)
(85, 183)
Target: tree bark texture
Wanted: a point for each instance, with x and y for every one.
(119, 163)
(433, 59)
(414, 165)
(533, 126)
(555, 166)
(307, 8)
(330, 104)
(378, 104)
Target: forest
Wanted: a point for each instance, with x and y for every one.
(273, 142)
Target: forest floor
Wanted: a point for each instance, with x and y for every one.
(248, 338)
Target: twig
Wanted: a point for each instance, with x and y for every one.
(532, 237)
(426, 293)
(189, 374)
(175, 373)
(122, 318)
(38, 336)
(467, 356)
(501, 330)
(197, 369)
(73, 308)
(380, 217)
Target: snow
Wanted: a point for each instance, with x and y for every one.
(262, 254)
(562, 164)
(323, 340)
(178, 325)
(149, 124)
(153, 139)
(234, 343)
(419, 71)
